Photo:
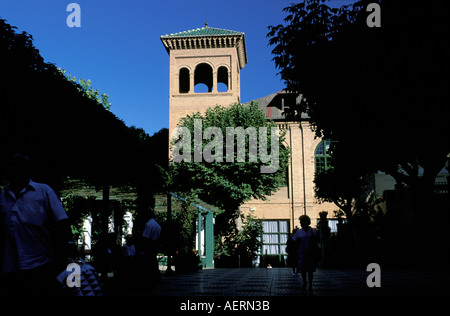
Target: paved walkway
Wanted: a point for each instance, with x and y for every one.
(281, 282)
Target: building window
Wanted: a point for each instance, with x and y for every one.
(333, 224)
(274, 239)
(222, 79)
(322, 156)
(184, 86)
(203, 78)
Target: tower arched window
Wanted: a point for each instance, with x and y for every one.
(184, 84)
(222, 79)
(203, 78)
(322, 156)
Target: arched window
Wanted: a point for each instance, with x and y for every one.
(222, 79)
(184, 86)
(322, 156)
(203, 78)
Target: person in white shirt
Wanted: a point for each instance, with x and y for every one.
(151, 236)
(152, 230)
(32, 218)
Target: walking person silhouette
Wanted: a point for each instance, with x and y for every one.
(307, 239)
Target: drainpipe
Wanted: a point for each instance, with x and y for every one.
(291, 180)
(303, 163)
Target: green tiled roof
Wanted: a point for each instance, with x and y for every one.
(204, 31)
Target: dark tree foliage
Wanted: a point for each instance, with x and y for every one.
(65, 133)
(381, 92)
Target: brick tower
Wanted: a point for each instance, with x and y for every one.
(205, 65)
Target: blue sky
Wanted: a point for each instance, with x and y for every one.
(118, 46)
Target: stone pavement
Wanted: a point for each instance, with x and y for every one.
(280, 282)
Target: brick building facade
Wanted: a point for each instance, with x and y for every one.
(214, 58)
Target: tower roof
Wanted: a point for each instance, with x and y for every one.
(204, 31)
(207, 37)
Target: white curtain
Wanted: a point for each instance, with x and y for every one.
(270, 249)
(270, 239)
(333, 225)
(284, 227)
(275, 233)
(270, 227)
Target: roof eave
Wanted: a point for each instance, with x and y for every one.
(241, 48)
